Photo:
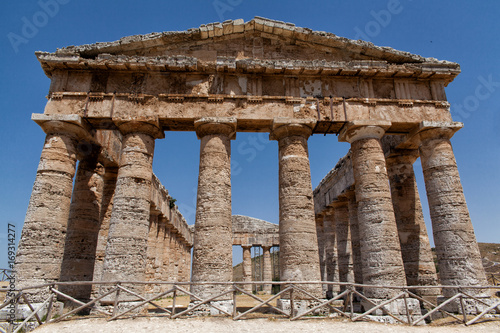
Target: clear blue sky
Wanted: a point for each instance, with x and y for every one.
(461, 31)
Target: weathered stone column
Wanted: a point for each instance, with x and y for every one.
(125, 257)
(174, 247)
(458, 256)
(355, 241)
(343, 236)
(152, 248)
(299, 258)
(83, 226)
(321, 250)
(247, 267)
(160, 252)
(332, 268)
(188, 264)
(41, 247)
(167, 254)
(212, 248)
(413, 238)
(380, 251)
(109, 185)
(267, 274)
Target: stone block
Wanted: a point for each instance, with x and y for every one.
(396, 307)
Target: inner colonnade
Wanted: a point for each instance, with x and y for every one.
(109, 102)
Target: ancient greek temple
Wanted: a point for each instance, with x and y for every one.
(109, 102)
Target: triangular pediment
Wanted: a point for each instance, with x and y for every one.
(254, 47)
(259, 38)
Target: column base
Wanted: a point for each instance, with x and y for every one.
(122, 306)
(301, 306)
(396, 307)
(471, 306)
(207, 310)
(22, 311)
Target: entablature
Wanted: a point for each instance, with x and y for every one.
(253, 114)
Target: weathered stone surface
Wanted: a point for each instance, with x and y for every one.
(83, 227)
(335, 183)
(380, 250)
(458, 256)
(299, 258)
(154, 252)
(267, 269)
(355, 240)
(254, 232)
(247, 267)
(41, 246)
(109, 185)
(331, 257)
(212, 248)
(343, 238)
(415, 247)
(161, 202)
(125, 257)
(157, 42)
(321, 251)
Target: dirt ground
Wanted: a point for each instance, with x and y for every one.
(225, 325)
(269, 323)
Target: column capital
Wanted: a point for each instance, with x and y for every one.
(433, 130)
(363, 129)
(145, 124)
(69, 124)
(285, 127)
(216, 125)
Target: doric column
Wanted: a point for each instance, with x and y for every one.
(125, 257)
(355, 241)
(459, 260)
(331, 258)
(415, 247)
(174, 247)
(299, 258)
(185, 262)
(212, 248)
(83, 226)
(247, 267)
(187, 277)
(41, 247)
(380, 251)
(160, 248)
(152, 248)
(321, 250)
(168, 255)
(108, 193)
(267, 275)
(160, 252)
(343, 236)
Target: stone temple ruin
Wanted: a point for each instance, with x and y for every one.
(109, 102)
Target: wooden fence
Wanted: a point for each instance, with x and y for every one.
(295, 291)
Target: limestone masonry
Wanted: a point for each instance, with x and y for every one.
(109, 102)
